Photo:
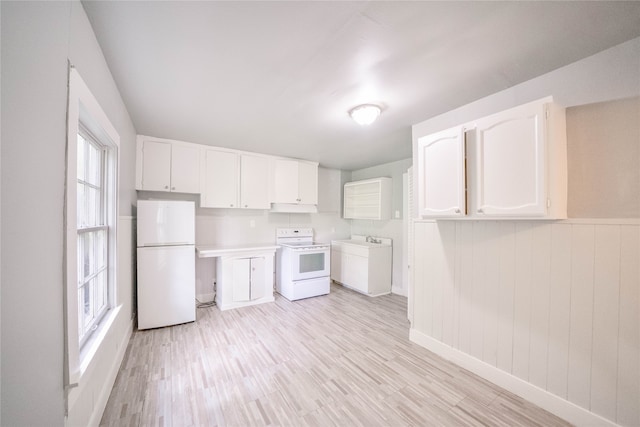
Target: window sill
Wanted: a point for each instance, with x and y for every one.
(92, 346)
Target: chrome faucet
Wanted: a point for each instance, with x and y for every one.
(370, 239)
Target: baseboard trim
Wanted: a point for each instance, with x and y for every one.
(397, 290)
(205, 298)
(103, 398)
(548, 401)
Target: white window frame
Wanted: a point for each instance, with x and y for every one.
(84, 114)
(85, 332)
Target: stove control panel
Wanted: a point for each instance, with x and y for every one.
(294, 232)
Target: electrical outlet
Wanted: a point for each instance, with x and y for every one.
(397, 214)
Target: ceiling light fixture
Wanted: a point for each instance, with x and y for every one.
(365, 114)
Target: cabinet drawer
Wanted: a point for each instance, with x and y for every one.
(358, 250)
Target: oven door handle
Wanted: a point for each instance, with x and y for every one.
(311, 251)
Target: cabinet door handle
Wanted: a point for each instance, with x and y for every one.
(457, 210)
(166, 187)
(298, 200)
(480, 211)
(246, 206)
(173, 188)
(231, 205)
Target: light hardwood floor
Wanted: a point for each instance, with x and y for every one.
(342, 359)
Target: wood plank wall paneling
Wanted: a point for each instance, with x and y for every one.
(559, 301)
(555, 304)
(628, 386)
(505, 299)
(581, 314)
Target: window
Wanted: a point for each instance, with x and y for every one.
(91, 200)
(93, 234)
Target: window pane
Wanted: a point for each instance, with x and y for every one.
(88, 255)
(94, 168)
(81, 157)
(80, 210)
(87, 312)
(101, 291)
(92, 206)
(81, 273)
(100, 240)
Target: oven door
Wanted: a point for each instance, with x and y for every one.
(309, 263)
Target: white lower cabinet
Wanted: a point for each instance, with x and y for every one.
(361, 267)
(244, 280)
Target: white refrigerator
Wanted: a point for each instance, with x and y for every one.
(166, 263)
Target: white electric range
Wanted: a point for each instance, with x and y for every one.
(303, 266)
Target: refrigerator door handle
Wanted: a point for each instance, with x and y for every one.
(167, 244)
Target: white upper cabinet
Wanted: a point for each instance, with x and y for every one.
(368, 199)
(167, 166)
(295, 182)
(233, 180)
(254, 182)
(513, 164)
(185, 169)
(441, 168)
(156, 166)
(225, 178)
(220, 180)
(510, 160)
(308, 183)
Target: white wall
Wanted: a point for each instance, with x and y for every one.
(546, 309)
(38, 38)
(391, 228)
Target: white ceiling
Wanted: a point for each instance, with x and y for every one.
(279, 77)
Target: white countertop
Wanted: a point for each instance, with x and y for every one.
(212, 251)
(362, 241)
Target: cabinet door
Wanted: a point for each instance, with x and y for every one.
(307, 183)
(241, 273)
(185, 169)
(510, 162)
(221, 180)
(356, 272)
(257, 286)
(285, 181)
(336, 264)
(441, 174)
(156, 166)
(254, 182)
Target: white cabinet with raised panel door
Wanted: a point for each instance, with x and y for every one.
(235, 180)
(295, 182)
(510, 165)
(520, 161)
(167, 166)
(441, 169)
(244, 280)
